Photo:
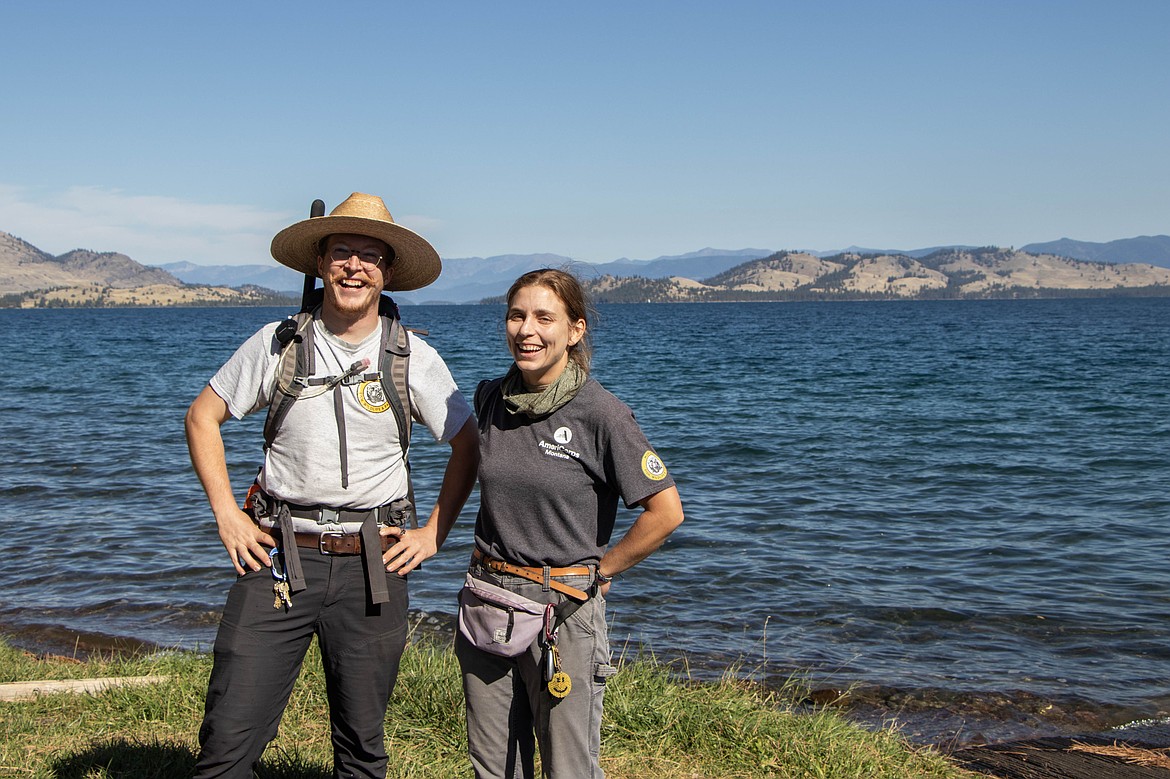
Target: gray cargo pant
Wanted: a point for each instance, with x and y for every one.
(258, 655)
(508, 701)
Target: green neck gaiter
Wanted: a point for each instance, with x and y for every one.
(519, 400)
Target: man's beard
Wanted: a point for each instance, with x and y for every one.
(350, 304)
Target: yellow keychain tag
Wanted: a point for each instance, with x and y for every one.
(560, 685)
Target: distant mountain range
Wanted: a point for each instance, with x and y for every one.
(1152, 249)
(945, 274)
(471, 279)
(29, 276)
(273, 276)
(474, 278)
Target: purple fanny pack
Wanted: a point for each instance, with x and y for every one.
(497, 620)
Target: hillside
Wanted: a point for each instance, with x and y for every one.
(989, 272)
(31, 278)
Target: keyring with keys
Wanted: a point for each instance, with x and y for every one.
(280, 586)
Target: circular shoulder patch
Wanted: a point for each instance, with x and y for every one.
(653, 467)
(372, 397)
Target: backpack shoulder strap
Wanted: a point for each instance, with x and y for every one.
(394, 365)
(295, 336)
(395, 368)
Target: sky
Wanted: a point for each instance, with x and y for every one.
(196, 131)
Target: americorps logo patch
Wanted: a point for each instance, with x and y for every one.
(653, 467)
(563, 435)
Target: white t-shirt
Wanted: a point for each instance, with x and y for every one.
(303, 464)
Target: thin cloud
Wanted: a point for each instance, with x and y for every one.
(152, 229)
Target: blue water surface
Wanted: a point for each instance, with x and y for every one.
(951, 500)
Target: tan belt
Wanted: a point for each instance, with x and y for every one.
(533, 574)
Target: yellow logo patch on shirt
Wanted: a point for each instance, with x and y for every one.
(372, 396)
(653, 467)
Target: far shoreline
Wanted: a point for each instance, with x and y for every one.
(1015, 294)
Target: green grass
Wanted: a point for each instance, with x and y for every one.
(657, 724)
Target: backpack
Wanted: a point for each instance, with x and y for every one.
(295, 366)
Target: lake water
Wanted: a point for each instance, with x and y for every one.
(957, 510)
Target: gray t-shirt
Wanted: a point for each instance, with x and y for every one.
(549, 487)
(304, 465)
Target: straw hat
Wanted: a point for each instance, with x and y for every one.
(416, 263)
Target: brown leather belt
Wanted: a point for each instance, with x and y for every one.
(337, 543)
(534, 574)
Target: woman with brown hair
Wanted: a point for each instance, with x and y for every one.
(558, 451)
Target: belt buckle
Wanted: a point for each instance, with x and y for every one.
(321, 541)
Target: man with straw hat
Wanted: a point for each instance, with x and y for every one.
(324, 546)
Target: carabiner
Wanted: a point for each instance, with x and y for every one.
(550, 632)
(277, 558)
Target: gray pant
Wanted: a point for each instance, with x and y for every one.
(508, 701)
(258, 655)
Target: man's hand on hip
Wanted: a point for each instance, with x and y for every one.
(244, 540)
